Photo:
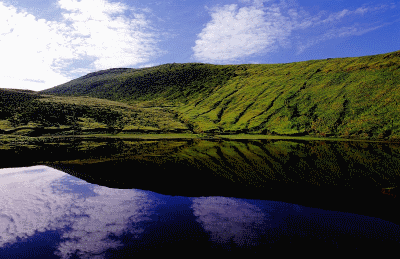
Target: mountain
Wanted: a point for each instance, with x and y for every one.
(345, 97)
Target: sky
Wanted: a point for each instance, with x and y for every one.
(49, 42)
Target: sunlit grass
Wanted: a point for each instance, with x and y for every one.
(344, 97)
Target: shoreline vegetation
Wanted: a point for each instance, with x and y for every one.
(26, 140)
(331, 99)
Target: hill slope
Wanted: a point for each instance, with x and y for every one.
(32, 114)
(345, 97)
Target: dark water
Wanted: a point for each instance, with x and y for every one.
(46, 213)
(121, 198)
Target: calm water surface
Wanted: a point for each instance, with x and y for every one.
(46, 213)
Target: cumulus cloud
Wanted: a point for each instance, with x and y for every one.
(263, 26)
(28, 48)
(92, 35)
(103, 32)
(240, 32)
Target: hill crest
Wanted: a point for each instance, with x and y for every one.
(354, 96)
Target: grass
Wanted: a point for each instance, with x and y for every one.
(77, 115)
(8, 141)
(148, 136)
(306, 138)
(345, 98)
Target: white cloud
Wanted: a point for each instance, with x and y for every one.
(356, 30)
(332, 27)
(264, 26)
(27, 49)
(338, 16)
(93, 35)
(240, 32)
(108, 36)
(361, 10)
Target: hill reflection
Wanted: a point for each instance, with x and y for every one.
(346, 176)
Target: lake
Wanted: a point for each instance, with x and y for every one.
(113, 198)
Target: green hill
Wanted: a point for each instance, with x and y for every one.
(176, 83)
(32, 114)
(343, 97)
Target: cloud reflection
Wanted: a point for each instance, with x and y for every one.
(229, 219)
(33, 200)
(26, 205)
(101, 217)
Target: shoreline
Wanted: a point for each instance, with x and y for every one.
(7, 139)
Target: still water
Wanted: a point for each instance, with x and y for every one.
(114, 198)
(46, 213)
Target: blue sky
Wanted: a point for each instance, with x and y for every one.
(49, 42)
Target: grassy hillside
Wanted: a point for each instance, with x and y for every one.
(12, 99)
(348, 97)
(32, 114)
(343, 97)
(175, 83)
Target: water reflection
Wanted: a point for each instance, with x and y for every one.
(27, 203)
(349, 176)
(230, 220)
(41, 199)
(93, 220)
(346, 176)
(255, 163)
(237, 224)
(47, 213)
